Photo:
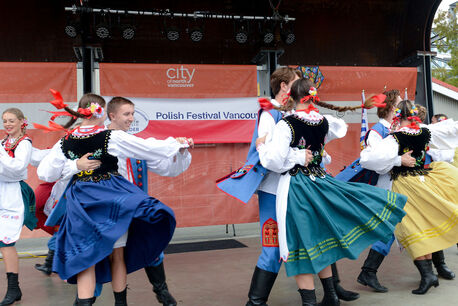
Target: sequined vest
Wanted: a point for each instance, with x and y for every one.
(74, 147)
(308, 135)
(417, 143)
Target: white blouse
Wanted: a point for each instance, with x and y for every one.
(274, 154)
(15, 169)
(120, 144)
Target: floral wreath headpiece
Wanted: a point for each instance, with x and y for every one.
(312, 96)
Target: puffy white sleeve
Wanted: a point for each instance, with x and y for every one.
(124, 145)
(381, 157)
(37, 156)
(373, 138)
(444, 135)
(442, 155)
(277, 155)
(172, 166)
(337, 128)
(266, 126)
(15, 169)
(52, 165)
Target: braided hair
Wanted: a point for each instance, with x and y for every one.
(84, 102)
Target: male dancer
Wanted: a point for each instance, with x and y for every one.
(121, 114)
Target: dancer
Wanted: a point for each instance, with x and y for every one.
(121, 114)
(433, 156)
(17, 201)
(48, 194)
(431, 207)
(307, 196)
(101, 206)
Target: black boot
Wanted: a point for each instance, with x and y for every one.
(341, 292)
(120, 298)
(75, 303)
(441, 267)
(428, 278)
(13, 292)
(156, 276)
(330, 296)
(85, 302)
(368, 275)
(261, 285)
(46, 268)
(308, 297)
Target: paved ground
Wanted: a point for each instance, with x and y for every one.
(222, 277)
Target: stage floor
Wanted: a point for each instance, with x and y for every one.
(222, 277)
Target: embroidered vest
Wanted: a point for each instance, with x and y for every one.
(417, 143)
(75, 147)
(308, 135)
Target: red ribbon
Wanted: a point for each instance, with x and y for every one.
(311, 98)
(377, 101)
(309, 108)
(85, 112)
(265, 104)
(286, 98)
(59, 101)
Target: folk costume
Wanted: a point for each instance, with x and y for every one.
(17, 201)
(101, 206)
(252, 178)
(349, 216)
(430, 224)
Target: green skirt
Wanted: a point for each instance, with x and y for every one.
(327, 219)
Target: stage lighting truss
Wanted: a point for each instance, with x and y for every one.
(270, 34)
(128, 31)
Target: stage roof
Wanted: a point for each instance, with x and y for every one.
(328, 32)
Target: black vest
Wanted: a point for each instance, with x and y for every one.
(308, 135)
(417, 143)
(74, 147)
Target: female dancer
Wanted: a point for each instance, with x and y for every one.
(310, 239)
(431, 207)
(101, 206)
(17, 201)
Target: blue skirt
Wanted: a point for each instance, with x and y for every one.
(97, 214)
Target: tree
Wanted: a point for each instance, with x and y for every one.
(446, 28)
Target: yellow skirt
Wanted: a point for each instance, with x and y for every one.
(455, 159)
(431, 223)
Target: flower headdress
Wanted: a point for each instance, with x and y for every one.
(312, 96)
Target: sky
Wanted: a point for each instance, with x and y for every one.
(445, 4)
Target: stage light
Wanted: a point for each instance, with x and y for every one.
(128, 31)
(172, 33)
(71, 30)
(196, 34)
(241, 35)
(102, 31)
(288, 35)
(268, 36)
